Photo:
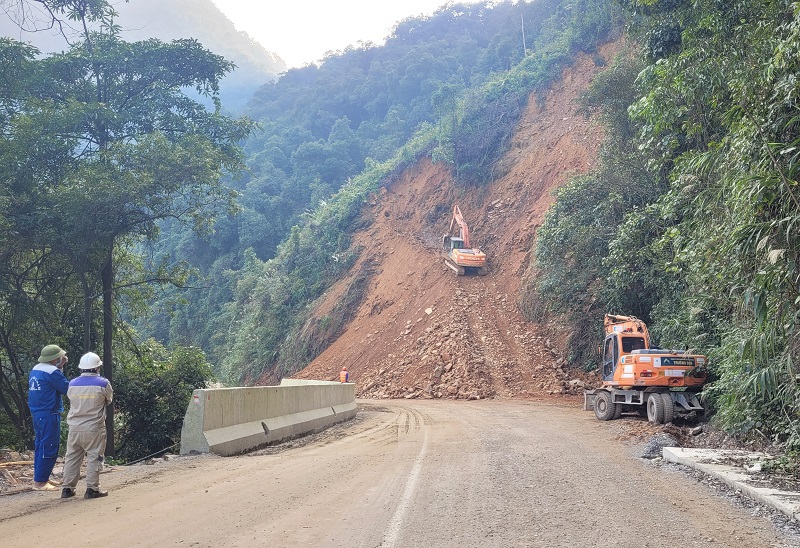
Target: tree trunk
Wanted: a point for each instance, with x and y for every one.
(87, 312)
(13, 394)
(16, 410)
(107, 276)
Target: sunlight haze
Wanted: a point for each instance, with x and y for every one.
(302, 31)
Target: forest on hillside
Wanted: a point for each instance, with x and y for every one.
(693, 221)
(139, 221)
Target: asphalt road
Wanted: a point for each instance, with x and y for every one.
(405, 474)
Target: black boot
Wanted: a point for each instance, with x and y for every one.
(95, 494)
(66, 493)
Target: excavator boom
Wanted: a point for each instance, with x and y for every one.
(463, 229)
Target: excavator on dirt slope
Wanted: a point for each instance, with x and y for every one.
(458, 255)
(657, 383)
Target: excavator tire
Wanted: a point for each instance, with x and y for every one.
(655, 408)
(604, 408)
(669, 408)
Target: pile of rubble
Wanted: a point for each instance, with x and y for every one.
(439, 363)
(460, 354)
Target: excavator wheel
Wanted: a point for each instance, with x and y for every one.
(669, 408)
(655, 408)
(604, 408)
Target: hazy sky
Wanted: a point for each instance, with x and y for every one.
(301, 31)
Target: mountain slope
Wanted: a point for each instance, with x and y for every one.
(419, 330)
(201, 19)
(169, 20)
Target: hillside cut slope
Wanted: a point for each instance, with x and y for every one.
(422, 331)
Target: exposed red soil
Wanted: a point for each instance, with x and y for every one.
(422, 331)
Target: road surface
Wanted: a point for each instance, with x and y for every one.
(404, 473)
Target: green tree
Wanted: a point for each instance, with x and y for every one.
(116, 146)
(38, 295)
(39, 300)
(152, 392)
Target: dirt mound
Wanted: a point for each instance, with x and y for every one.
(422, 331)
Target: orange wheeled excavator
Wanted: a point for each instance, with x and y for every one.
(458, 255)
(657, 383)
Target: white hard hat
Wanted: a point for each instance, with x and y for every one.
(90, 360)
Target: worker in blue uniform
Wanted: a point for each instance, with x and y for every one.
(46, 386)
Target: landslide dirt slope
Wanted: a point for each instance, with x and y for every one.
(422, 331)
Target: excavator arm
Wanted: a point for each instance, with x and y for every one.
(463, 229)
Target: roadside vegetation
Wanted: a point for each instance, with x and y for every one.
(691, 222)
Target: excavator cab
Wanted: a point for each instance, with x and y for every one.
(629, 344)
(612, 351)
(456, 243)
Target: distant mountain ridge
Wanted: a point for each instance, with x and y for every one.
(172, 19)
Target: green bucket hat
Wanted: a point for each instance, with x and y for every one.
(51, 352)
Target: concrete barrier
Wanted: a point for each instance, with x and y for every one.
(229, 421)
